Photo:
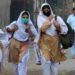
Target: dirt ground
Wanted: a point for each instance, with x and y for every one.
(65, 68)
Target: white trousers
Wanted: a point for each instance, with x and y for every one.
(37, 53)
(49, 68)
(0, 55)
(21, 68)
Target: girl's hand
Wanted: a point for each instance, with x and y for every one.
(50, 17)
(57, 26)
(15, 28)
(28, 28)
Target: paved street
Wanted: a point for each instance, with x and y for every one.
(65, 68)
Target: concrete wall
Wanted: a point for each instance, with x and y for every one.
(64, 8)
(61, 7)
(37, 5)
(4, 12)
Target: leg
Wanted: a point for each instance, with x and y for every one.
(46, 67)
(1, 55)
(5, 57)
(15, 69)
(54, 68)
(0, 59)
(37, 54)
(22, 67)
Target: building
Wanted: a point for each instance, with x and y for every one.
(10, 9)
(62, 7)
(4, 12)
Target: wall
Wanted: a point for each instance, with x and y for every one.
(4, 12)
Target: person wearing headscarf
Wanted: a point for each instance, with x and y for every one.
(22, 30)
(71, 22)
(49, 28)
(3, 49)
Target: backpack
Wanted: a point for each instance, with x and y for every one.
(66, 40)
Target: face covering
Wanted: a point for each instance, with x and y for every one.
(47, 13)
(25, 20)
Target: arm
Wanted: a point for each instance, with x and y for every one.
(32, 29)
(44, 26)
(14, 28)
(57, 26)
(63, 26)
(28, 29)
(11, 27)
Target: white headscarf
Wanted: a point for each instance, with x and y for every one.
(42, 18)
(51, 30)
(19, 20)
(44, 4)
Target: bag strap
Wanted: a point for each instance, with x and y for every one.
(55, 17)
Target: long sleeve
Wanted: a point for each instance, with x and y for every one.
(11, 25)
(33, 29)
(63, 26)
(43, 26)
(36, 33)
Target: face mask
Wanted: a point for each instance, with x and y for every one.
(47, 13)
(25, 20)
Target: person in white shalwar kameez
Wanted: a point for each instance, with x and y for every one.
(24, 28)
(3, 48)
(71, 22)
(48, 28)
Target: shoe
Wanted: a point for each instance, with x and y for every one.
(38, 63)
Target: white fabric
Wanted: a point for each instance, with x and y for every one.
(49, 68)
(37, 53)
(71, 21)
(51, 30)
(21, 33)
(63, 26)
(43, 6)
(37, 37)
(15, 69)
(1, 32)
(22, 67)
(10, 26)
(5, 43)
(4, 39)
(1, 55)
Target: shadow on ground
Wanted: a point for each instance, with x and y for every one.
(67, 72)
(35, 72)
(71, 73)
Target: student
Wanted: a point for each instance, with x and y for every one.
(71, 22)
(3, 48)
(48, 39)
(23, 29)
